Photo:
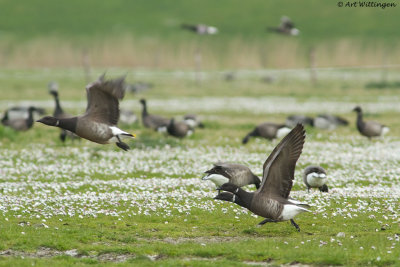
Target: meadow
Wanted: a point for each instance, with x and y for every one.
(84, 204)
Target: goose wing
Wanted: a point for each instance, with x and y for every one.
(279, 167)
(103, 100)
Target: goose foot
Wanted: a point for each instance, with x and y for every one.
(265, 221)
(295, 225)
(122, 145)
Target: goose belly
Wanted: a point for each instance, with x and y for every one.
(95, 132)
(290, 211)
(217, 179)
(316, 180)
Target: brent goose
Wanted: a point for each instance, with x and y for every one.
(20, 122)
(179, 129)
(315, 177)
(293, 120)
(369, 128)
(193, 121)
(286, 27)
(99, 123)
(329, 122)
(154, 122)
(271, 200)
(237, 174)
(200, 29)
(59, 112)
(268, 131)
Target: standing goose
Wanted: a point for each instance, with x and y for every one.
(99, 123)
(315, 177)
(271, 199)
(179, 129)
(59, 112)
(200, 29)
(369, 128)
(268, 131)
(286, 27)
(237, 174)
(19, 123)
(154, 122)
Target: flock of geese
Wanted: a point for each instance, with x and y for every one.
(271, 198)
(286, 27)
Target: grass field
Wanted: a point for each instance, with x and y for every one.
(86, 204)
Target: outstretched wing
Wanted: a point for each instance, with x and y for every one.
(279, 167)
(103, 100)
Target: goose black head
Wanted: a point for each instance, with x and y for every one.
(143, 101)
(357, 109)
(229, 188)
(48, 120)
(226, 196)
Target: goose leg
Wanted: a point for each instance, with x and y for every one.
(122, 145)
(324, 188)
(63, 135)
(295, 225)
(266, 221)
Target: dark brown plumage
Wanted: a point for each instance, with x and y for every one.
(237, 174)
(99, 123)
(19, 123)
(179, 129)
(369, 128)
(271, 200)
(286, 27)
(151, 121)
(268, 131)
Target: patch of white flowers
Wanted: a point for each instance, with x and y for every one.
(40, 181)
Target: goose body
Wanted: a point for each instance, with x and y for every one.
(99, 123)
(151, 121)
(286, 27)
(179, 129)
(200, 29)
(369, 128)
(237, 174)
(19, 122)
(271, 200)
(315, 177)
(268, 131)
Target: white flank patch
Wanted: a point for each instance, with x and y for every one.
(296, 202)
(118, 132)
(217, 179)
(385, 130)
(290, 211)
(282, 132)
(191, 123)
(316, 180)
(162, 129)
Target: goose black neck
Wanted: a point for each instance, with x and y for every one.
(144, 110)
(68, 124)
(245, 198)
(29, 121)
(58, 110)
(360, 123)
